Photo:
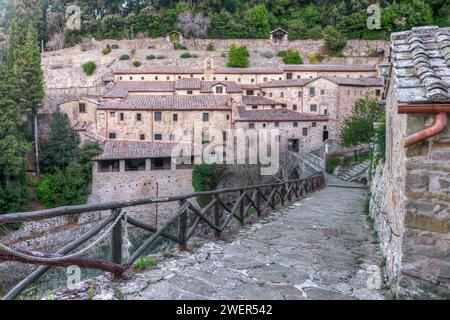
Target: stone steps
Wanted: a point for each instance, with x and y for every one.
(354, 173)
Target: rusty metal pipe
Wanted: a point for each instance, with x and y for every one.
(423, 109)
(439, 126)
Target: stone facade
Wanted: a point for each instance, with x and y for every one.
(126, 185)
(410, 191)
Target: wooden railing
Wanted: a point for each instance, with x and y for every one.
(216, 215)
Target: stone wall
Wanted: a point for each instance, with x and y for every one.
(62, 68)
(118, 186)
(410, 204)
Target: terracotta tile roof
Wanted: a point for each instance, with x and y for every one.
(170, 102)
(329, 67)
(232, 87)
(187, 84)
(259, 101)
(271, 115)
(160, 70)
(121, 88)
(269, 70)
(286, 83)
(250, 86)
(359, 82)
(420, 61)
(135, 149)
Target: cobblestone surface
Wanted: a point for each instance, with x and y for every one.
(317, 248)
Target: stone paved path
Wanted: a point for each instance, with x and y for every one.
(317, 248)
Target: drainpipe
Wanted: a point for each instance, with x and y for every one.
(439, 126)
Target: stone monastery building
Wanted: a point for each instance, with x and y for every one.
(307, 102)
(137, 116)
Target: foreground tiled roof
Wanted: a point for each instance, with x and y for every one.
(357, 82)
(259, 101)
(276, 115)
(329, 67)
(121, 88)
(170, 102)
(421, 64)
(134, 149)
(160, 70)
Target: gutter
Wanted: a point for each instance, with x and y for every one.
(438, 127)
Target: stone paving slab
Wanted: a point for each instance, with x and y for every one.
(317, 248)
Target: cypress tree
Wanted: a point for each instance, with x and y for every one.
(27, 69)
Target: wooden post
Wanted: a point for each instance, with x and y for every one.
(216, 216)
(183, 228)
(258, 202)
(272, 201)
(116, 245)
(242, 208)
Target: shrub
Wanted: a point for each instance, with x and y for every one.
(136, 63)
(334, 40)
(281, 53)
(210, 47)
(332, 164)
(206, 177)
(292, 57)
(267, 54)
(179, 46)
(151, 57)
(315, 33)
(315, 58)
(238, 57)
(115, 46)
(89, 67)
(68, 188)
(106, 50)
(124, 57)
(185, 55)
(145, 262)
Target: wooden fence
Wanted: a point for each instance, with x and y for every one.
(216, 215)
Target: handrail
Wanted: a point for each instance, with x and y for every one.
(216, 215)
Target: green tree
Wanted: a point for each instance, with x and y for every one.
(358, 128)
(27, 69)
(62, 147)
(334, 40)
(292, 57)
(238, 56)
(259, 26)
(13, 145)
(25, 13)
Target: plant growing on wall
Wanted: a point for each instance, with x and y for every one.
(89, 67)
(292, 57)
(206, 177)
(238, 56)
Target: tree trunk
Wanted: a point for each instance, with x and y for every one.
(36, 144)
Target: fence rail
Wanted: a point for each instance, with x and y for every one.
(216, 215)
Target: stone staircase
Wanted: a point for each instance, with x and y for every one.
(355, 173)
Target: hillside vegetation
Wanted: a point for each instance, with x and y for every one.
(227, 19)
